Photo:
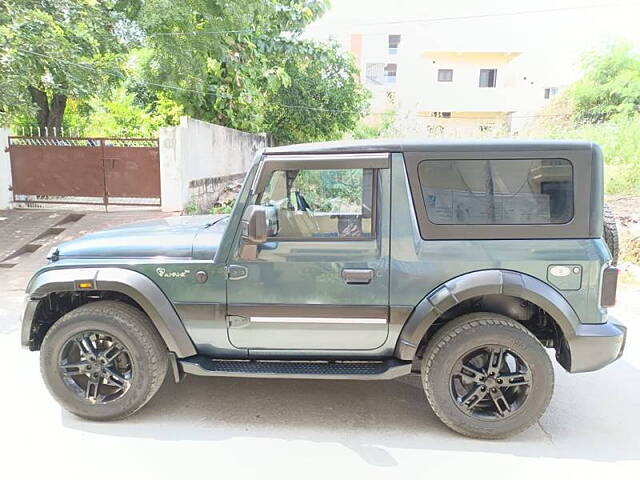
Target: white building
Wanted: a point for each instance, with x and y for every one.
(452, 91)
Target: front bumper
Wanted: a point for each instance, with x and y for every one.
(596, 346)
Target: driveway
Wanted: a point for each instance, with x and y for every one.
(247, 428)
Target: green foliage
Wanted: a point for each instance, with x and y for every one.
(321, 97)
(603, 107)
(610, 86)
(223, 208)
(190, 208)
(385, 128)
(620, 142)
(53, 50)
(245, 67)
(120, 116)
(240, 64)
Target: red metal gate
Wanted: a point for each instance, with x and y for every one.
(109, 171)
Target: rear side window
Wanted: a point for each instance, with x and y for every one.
(497, 192)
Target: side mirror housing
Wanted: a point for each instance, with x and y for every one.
(254, 225)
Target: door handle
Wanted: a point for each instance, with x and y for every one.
(236, 272)
(357, 276)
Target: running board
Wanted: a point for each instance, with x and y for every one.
(336, 370)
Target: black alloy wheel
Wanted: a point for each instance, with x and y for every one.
(490, 382)
(96, 366)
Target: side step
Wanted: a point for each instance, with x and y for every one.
(337, 370)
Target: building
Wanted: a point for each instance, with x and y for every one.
(453, 92)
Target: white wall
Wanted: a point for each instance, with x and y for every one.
(5, 170)
(195, 150)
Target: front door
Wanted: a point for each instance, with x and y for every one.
(321, 281)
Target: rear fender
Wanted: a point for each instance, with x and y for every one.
(486, 282)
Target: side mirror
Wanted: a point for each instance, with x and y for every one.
(254, 225)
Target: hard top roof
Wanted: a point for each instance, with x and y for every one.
(429, 145)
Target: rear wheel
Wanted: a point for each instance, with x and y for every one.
(486, 376)
(103, 360)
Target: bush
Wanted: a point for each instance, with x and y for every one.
(620, 142)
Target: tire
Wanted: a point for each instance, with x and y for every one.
(141, 352)
(469, 333)
(611, 233)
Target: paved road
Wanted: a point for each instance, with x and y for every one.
(317, 429)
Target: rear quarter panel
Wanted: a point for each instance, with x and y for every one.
(419, 266)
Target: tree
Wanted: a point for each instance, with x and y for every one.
(243, 65)
(51, 50)
(610, 86)
(240, 64)
(321, 97)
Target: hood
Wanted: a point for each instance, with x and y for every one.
(189, 236)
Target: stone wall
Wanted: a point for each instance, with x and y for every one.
(205, 193)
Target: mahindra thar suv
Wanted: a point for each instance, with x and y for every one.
(464, 262)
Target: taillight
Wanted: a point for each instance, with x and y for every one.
(609, 286)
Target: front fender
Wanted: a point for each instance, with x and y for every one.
(128, 282)
(498, 282)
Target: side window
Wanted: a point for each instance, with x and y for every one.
(497, 192)
(322, 204)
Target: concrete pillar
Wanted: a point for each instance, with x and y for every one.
(5, 171)
(171, 184)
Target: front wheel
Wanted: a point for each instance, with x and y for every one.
(486, 376)
(103, 360)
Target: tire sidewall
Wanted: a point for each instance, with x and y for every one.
(55, 340)
(452, 348)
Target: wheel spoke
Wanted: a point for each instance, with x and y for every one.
(471, 399)
(110, 354)
(515, 379)
(115, 380)
(71, 369)
(496, 357)
(501, 404)
(471, 373)
(85, 346)
(92, 389)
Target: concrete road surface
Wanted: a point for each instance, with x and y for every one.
(247, 428)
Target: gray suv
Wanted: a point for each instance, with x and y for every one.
(465, 262)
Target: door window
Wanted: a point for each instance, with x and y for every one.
(322, 204)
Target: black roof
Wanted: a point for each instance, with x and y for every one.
(405, 145)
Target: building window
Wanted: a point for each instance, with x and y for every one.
(442, 114)
(374, 73)
(445, 75)
(394, 43)
(550, 92)
(390, 72)
(488, 77)
(485, 128)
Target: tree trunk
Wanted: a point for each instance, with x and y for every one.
(49, 116)
(40, 99)
(56, 113)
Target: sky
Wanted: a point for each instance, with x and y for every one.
(552, 35)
